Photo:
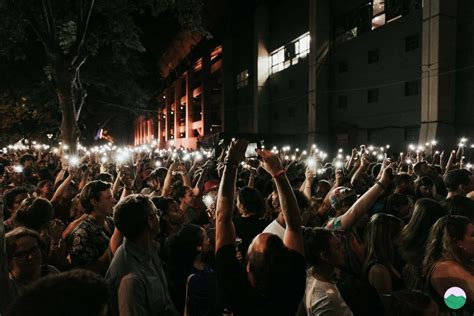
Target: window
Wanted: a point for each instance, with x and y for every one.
(412, 88)
(342, 102)
(242, 79)
(372, 95)
(289, 54)
(412, 42)
(342, 66)
(373, 56)
(412, 133)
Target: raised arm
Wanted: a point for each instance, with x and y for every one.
(60, 190)
(293, 238)
(365, 202)
(169, 179)
(225, 230)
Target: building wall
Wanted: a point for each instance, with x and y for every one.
(464, 69)
(394, 116)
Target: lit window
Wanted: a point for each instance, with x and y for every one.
(242, 79)
(289, 54)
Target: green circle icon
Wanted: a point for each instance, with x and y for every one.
(455, 298)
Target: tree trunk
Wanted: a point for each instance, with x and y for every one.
(64, 91)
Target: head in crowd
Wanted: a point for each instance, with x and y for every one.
(13, 198)
(422, 169)
(105, 177)
(404, 184)
(412, 303)
(341, 199)
(35, 214)
(460, 205)
(382, 239)
(172, 217)
(323, 249)
(23, 248)
(136, 217)
(64, 294)
(451, 238)
(97, 198)
(399, 205)
(27, 160)
(45, 189)
(301, 200)
(267, 257)
(250, 202)
(183, 195)
(322, 189)
(415, 233)
(157, 178)
(185, 247)
(459, 182)
(424, 188)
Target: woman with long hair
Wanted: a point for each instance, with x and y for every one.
(382, 240)
(192, 282)
(449, 258)
(414, 239)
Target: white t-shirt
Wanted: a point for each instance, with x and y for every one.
(323, 298)
(275, 228)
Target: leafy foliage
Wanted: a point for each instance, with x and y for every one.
(58, 55)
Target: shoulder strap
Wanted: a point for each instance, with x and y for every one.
(186, 298)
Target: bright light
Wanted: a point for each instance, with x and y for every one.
(65, 147)
(198, 156)
(186, 157)
(463, 140)
(18, 169)
(74, 161)
(207, 200)
(408, 161)
(305, 152)
(339, 164)
(340, 150)
(387, 146)
(434, 142)
(401, 154)
(380, 157)
(411, 147)
(103, 159)
(314, 146)
(157, 163)
(468, 166)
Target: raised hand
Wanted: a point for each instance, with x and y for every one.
(271, 162)
(236, 153)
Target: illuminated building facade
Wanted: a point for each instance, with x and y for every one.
(332, 72)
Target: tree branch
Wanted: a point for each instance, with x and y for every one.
(84, 32)
(46, 18)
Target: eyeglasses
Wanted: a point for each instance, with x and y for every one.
(23, 255)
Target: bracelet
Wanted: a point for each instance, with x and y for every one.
(279, 173)
(381, 185)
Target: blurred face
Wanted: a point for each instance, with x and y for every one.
(105, 204)
(206, 244)
(47, 190)
(467, 244)
(26, 260)
(154, 221)
(17, 201)
(426, 191)
(275, 201)
(188, 198)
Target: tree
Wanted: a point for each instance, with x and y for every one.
(58, 52)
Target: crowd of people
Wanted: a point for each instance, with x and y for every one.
(234, 230)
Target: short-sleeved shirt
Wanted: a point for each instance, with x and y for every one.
(323, 298)
(87, 242)
(138, 283)
(239, 296)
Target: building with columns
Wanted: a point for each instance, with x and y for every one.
(336, 73)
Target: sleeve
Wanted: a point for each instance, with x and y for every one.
(79, 251)
(131, 297)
